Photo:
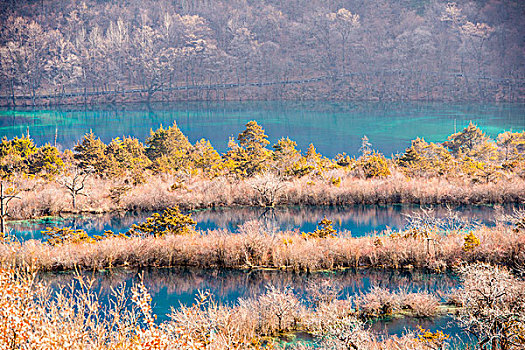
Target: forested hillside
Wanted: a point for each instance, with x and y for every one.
(97, 51)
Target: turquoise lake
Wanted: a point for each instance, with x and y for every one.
(172, 287)
(356, 220)
(333, 127)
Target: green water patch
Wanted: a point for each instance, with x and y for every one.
(333, 127)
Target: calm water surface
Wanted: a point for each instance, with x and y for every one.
(359, 220)
(333, 127)
(174, 287)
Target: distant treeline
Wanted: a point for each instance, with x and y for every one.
(469, 154)
(167, 171)
(95, 51)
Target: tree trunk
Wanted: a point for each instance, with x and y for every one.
(13, 93)
(344, 56)
(2, 210)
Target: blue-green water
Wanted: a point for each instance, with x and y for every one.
(358, 220)
(333, 127)
(179, 286)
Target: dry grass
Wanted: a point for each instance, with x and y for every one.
(380, 302)
(252, 247)
(34, 317)
(45, 198)
(73, 318)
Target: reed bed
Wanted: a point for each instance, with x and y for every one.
(254, 247)
(307, 191)
(33, 316)
(39, 198)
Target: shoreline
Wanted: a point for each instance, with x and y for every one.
(50, 199)
(27, 101)
(66, 214)
(253, 248)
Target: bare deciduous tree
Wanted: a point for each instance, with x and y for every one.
(5, 198)
(268, 186)
(151, 49)
(344, 22)
(493, 306)
(74, 181)
(282, 304)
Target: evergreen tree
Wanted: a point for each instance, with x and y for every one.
(168, 149)
(426, 159)
(46, 161)
(168, 141)
(206, 158)
(251, 156)
(285, 155)
(91, 153)
(512, 145)
(253, 139)
(127, 156)
(374, 165)
(15, 153)
(471, 142)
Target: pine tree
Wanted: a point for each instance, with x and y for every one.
(166, 142)
(126, 156)
(169, 149)
(253, 138)
(285, 155)
(206, 158)
(426, 159)
(46, 161)
(471, 142)
(250, 156)
(91, 153)
(14, 155)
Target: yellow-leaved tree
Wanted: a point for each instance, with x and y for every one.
(250, 156)
(169, 149)
(426, 159)
(205, 158)
(285, 155)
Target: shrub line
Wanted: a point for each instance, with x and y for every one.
(253, 246)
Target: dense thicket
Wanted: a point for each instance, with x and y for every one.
(98, 51)
(168, 170)
(64, 316)
(469, 154)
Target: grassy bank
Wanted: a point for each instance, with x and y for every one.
(253, 247)
(40, 198)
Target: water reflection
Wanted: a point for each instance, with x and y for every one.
(175, 286)
(399, 325)
(359, 220)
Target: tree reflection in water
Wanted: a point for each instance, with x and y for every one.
(170, 287)
(359, 220)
